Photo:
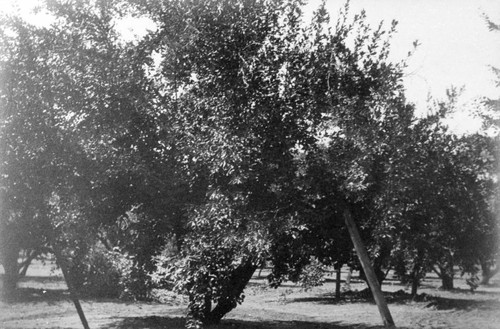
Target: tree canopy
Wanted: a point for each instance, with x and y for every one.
(232, 134)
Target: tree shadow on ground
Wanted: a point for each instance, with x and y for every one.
(33, 295)
(475, 292)
(42, 279)
(51, 296)
(156, 322)
(402, 297)
(353, 280)
(441, 303)
(148, 322)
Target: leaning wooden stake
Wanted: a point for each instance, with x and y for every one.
(370, 273)
(60, 260)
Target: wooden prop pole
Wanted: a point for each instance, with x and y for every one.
(61, 261)
(370, 273)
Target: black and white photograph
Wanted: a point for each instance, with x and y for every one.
(249, 164)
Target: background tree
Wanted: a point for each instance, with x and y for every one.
(489, 264)
(32, 168)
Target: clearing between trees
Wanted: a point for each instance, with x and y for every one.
(43, 302)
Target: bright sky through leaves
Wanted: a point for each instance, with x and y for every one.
(455, 46)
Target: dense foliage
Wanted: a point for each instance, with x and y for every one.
(232, 134)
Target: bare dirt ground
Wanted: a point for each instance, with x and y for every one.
(44, 303)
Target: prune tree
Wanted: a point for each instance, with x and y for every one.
(439, 205)
(31, 141)
(252, 89)
(490, 260)
(72, 95)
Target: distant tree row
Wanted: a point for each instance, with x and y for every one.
(233, 134)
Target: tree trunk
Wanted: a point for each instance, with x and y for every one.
(337, 282)
(380, 261)
(379, 273)
(10, 256)
(447, 281)
(415, 279)
(228, 302)
(348, 278)
(447, 275)
(199, 316)
(487, 272)
(30, 256)
(262, 266)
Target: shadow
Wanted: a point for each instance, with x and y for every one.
(37, 278)
(155, 322)
(150, 322)
(286, 284)
(362, 296)
(32, 295)
(472, 293)
(402, 297)
(41, 279)
(257, 285)
(440, 303)
(353, 280)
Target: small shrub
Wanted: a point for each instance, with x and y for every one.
(312, 275)
(101, 273)
(135, 283)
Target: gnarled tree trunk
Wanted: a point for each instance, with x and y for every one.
(204, 315)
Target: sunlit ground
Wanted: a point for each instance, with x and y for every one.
(44, 303)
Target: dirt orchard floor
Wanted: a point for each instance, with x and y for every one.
(43, 303)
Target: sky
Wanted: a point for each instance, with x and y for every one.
(455, 46)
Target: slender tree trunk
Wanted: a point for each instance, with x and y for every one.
(337, 282)
(262, 266)
(349, 276)
(31, 255)
(378, 263)
(379, 273)
(416, 274)
(447, 274)
(415, 283)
